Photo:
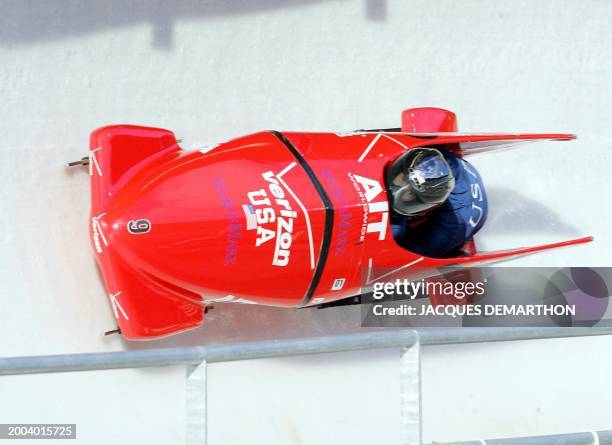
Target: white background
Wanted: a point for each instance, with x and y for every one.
(212, 70)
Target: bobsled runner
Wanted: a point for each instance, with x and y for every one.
(288, 219)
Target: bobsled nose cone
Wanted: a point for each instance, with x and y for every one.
(117, 232)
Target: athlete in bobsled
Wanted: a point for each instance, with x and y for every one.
(438, 201)
(315, 217)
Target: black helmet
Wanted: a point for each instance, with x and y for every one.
(419, 180)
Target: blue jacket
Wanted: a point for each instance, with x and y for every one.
(447, 227)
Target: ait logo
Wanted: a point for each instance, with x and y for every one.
(374, 202)
(139, 226)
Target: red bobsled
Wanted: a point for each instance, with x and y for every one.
(275, 218)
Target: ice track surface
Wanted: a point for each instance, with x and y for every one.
(213, 70)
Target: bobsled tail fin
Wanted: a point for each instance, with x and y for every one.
(147, 308)
(428, 120)
(117, 149)
(501, 255)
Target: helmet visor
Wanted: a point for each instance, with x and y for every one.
(428, 171)
(421, 180)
